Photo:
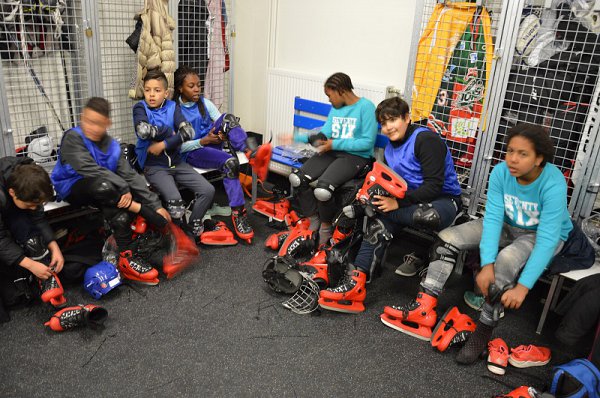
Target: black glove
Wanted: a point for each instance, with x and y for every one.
(186, 131)
(146, 130)
(315, 138)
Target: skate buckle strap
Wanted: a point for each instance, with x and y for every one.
(494, 296)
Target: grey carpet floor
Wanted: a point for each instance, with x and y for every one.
(217, 330)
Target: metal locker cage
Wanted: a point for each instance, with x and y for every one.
(42, 75)
(544, 71)
(461, 37)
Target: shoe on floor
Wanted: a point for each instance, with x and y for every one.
(411, 265)
(216, 210)
(521, 392)
(497, 359)
(476, 301)
(527, 356)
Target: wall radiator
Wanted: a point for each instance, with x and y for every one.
(284, 85)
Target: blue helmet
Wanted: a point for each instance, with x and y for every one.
(100, 279)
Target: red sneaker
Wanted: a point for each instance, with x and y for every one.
(528, 356)
(521, 392)
(497, 360)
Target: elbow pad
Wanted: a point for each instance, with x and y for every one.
(186, 131)
(146, 131)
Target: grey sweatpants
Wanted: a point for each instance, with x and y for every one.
(163, 180)
(516, 245)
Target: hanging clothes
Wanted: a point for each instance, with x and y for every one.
(192, 35)
(214, 88)
(224, 34)
(443, 32)
(155, 47)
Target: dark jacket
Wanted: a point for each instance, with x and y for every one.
(74, 152)
(11, 254)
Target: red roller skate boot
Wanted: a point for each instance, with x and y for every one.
(52, 291)
(136, 269)
(217, 234)
(241, 225)
(347, 297)
(79, 315)
(415, 318)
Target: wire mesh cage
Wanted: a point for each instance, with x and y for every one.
(551, 81)
(48, 69)
(452, 74)
(43, 74)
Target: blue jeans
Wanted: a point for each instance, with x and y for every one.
(397, 219)
(515, 245)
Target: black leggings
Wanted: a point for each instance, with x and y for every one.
(333, 168)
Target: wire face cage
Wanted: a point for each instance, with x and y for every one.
(57, 53)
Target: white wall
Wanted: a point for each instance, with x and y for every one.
(370, 41)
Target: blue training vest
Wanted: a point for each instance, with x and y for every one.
(64, 176)
(159, 117)
(403, 161)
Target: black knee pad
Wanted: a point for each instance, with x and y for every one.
(299, 180)
(426, 217)
(104, 193)
(443, 251)
(231, 168)
(120, 220)
(323, 191)
(380, 238)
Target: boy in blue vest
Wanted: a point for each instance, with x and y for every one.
(161, 128)
(432, 200)
(91, 170)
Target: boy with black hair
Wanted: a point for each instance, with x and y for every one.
(91, 170)
(25, 235)
(161, 128)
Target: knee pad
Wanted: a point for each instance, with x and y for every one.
(443, 251)
(105, 193)
(231, 168)
(323, 192)
(426, 217)
(120, 221)
(380, 238)
(299, 180)
(176, 208)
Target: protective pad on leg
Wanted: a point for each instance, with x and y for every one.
(324, 191)
(299, 180)
(231, 168)
(426, 217)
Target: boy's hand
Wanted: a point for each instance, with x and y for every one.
(38, 269)
(513, 298)
(125, 201)
(164, 213)
(485, 278)
(57, 260)
(157, 148)
(385, 203)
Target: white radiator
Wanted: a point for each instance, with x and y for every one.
(284, 85)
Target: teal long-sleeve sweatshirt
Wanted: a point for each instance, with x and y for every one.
(540, 206)
(352, 128)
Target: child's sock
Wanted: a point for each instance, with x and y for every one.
(476, 344)
(325, 232)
